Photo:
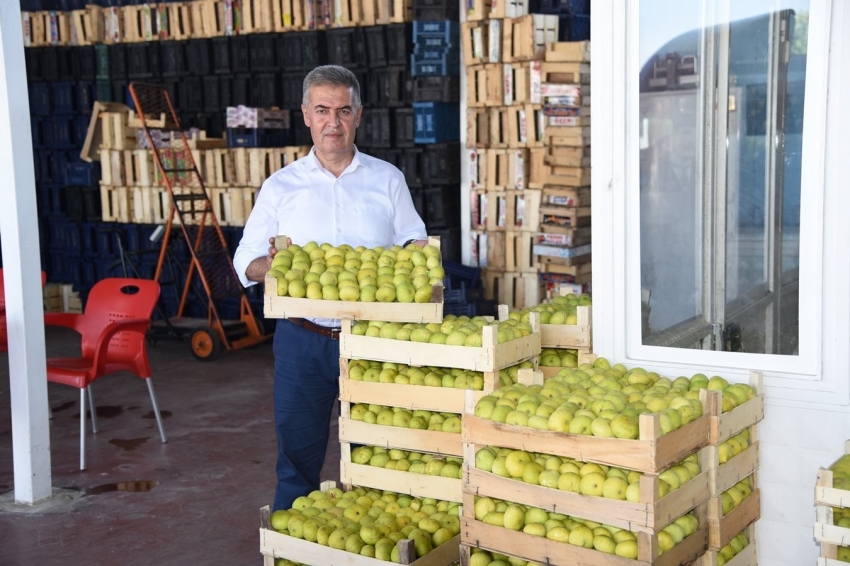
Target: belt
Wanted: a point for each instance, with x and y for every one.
(332, 333)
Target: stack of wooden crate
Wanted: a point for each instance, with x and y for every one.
(562, 244)
(133, 189)
(503, 48)
(830, 502)
(650, 454)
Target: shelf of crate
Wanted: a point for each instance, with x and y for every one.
(278, 545)
(734, 470)
(569, 336)
(544, 551)
(830, 536)
(722, 528)
(726, 425)
(651, 514)
(490, 357)
(652, 452)
(289, 307)
(747, 557)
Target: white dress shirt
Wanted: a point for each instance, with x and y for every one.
(368, 205)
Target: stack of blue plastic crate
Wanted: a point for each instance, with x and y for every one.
(464, 291)
(573, 17)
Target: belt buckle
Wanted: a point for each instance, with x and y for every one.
(335, 333)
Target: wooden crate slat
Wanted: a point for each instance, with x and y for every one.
(413, 397)
(521, 83)
(437, 442)
(570, 336)
(525, 38)
(568, 51)
(722, 529)
(727, 425)
(416, 485)
(736, 469)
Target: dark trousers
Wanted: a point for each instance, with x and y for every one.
(306, 385)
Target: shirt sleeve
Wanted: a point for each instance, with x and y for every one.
(407, 225)
(260, 226)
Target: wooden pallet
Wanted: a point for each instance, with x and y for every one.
(722, 529)
(525, 38)
(829, 535)
(87, 25)
(541, 550)
(115, 203)
(481, 42)
(490, 357)
(726, 425)
(747, 557)
(148, 205)
(278, 545)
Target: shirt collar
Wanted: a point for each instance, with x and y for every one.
(355, 161)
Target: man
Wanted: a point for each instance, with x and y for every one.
(338, 195)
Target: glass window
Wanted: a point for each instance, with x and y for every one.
(721, 119)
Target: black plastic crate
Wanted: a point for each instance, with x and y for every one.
(300, 132)
(118, 61)
(240, 55)
(262, 49)
(240, 90)
(225, 92)
(435, 10)
(291, 89)
(51, 166)
(101, 62)
(395, 87)
(441, 163)
(221, 60)
(418, 197)
(409, 162)
(347, 47)
(143, 60)
(120, 92)
(257, 137)
(84, 63)
(436, 89)
(86, 95)
(288, 50)
(58, 133)
(198, 60)
(173, 58)
(399, 43)
(40, 99)
(264, 90)
(449, 240)
(32, 58)
(404, 125)
(64, 58)
(172, 87)
(376, 45)
(103, 91)
(212, 123)
(314, 49)
(191, 95)
(212, 98)
(365, 88)
(443, 204)
(48, 63)
(574, 27)
(375, 128)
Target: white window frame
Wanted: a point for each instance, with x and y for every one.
(821, 373)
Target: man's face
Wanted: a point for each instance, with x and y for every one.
(331, 118)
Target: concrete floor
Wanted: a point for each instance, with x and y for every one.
(205, 486)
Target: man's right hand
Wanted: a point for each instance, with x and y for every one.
(258, 268)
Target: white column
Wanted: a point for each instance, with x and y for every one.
(22, 269)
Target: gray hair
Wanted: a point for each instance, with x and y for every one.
(332, 75)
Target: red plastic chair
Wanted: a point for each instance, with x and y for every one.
(113, 328)
(4, 339)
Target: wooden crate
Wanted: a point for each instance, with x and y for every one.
(209, 18)
(255, 16)
(545, 551)
(139, 168)
(416, 485)
(115, 204)
(500, 9)
(436, 442)
(506, 169)
(565, 73)
(112, 168)
(651, 453)
(113, 25)
(49, 28)
(568, 176)
(724, 476)
(289, 307)
(87, 25)
(394, 11)
(567, 136)
(568, 156)
(520, 252)
(477, 128)
(116, 133)
(278, 545)
(477, 10)
(288, 15)
(582, 272)
(747, 557)
(727, 425)
(228, 205)
(563, 217)
(521, 83)
(517, 290)
(495, 251)
(502, 131)
(147, 205)
(179, 16)
(829, 535)
(538, 171)
(477, 169)
(484, 86)
(568, 52)
(490, 357)
(478, 200)
(577, 336)
(481, 42)
(140, 23)
(516, 126)
(722, 529)
(525, 38)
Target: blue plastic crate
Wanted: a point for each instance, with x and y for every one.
(460, 309)
(64, 96)
(86, 96)
(105, 234)
(573, 27)
(89, 274)
(37, 139)
(82, 174)
(57, 270)
(257, 137)
(39, 94)
(435, 53)
(52, 167)
(57, 133)
(457, 273)
(88, 238)
(559, 7)
(446, 31)
(448, 64)
(436, 122)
